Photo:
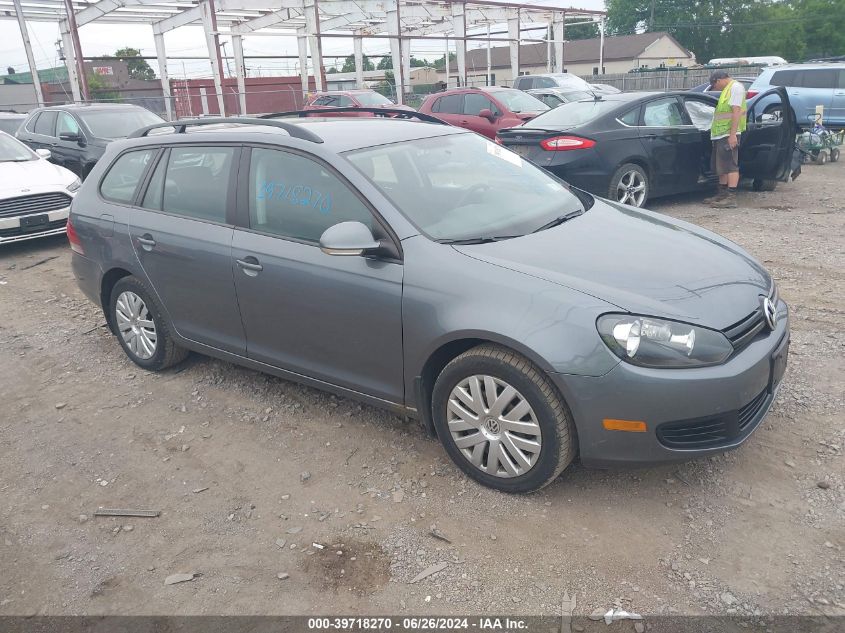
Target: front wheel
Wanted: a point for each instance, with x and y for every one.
(764, 184)
(141, 328)
(821, 159)
(834, 155)
(629, 185)
(502, 421)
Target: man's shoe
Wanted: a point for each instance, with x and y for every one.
(728, 201)
(720, 194)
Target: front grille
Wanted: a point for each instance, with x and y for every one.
(714, 431)
(37, 203)
(14, 232)
(741, 333)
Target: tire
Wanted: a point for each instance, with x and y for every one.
(131, 306)
(764, 184)
(545, 423)
(627, 181)
(821, 159)
(834, 155)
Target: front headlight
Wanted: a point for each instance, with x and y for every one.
(659, 343)
(75, 185)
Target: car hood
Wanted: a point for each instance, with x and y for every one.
(34, 176)
(641, 262)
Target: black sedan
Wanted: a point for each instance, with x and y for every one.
(630, 147)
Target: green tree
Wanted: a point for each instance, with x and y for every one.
(582, 31)
(418, 63)
(440, 62)
(138, 67)
(100, 89)
(823, 23)
(349, 64)
(385, 63)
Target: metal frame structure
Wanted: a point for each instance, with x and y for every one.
(310, 21)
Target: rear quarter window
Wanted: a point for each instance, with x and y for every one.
(784, 78)
(122, 179)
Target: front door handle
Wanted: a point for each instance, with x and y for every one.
(147, 242)
(250, 266)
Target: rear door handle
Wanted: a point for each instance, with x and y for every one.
(147, 242)
(250, 266)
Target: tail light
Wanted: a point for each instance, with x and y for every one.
(752, 93)
(563, 143)
(498, 140)
(73, 238)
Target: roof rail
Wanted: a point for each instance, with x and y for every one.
(180, 126)
(394, 113)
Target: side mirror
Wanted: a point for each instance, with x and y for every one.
(486, 113)
(68, 136)
(352, 239)
(44, 153)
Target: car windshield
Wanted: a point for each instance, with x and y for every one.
(118, 123)
(465, 187)
(573, 114)
(372, 99)
(518, 101)
(12, 150)
(576, 95)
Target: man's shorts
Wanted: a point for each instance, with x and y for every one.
(725, 160)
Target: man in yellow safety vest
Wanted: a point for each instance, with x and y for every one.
(728, 125)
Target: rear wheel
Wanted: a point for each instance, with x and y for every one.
(821, 159)
(141, 328)
(629, 185)
(764, 184)
(834, 155)
(502, 421)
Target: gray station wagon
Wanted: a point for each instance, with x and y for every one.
(424, 268)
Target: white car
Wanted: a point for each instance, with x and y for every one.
(35, 194)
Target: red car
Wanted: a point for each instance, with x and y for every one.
(484, 110)
(351, 99)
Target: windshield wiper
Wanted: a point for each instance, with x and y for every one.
(479, 240)
(560, 220)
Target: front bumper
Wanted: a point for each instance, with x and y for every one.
(688, 412)
(11, 230)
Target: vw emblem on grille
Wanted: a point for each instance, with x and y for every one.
(770, 313)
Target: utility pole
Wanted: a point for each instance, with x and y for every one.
(651, 17)
(80, 64)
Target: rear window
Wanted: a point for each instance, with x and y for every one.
(575, 113)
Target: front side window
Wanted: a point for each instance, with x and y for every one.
(66, 125)
(295, 197)
(463, 186)
(122, 179)
(663, 113)
(475, 103)
(46, 123)
(700, 113)
(197, 182)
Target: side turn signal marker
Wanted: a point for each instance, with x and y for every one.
(632, 426)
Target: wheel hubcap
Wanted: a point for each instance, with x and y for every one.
(494, 426)
(135, 324)
(631, 188)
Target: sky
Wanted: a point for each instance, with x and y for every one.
(105, 39)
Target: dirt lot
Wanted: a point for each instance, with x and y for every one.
(248, 471)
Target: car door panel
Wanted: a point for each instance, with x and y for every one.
(188, 260)
(332, 318)
(68, 153)
(767, 144)
(672, 145)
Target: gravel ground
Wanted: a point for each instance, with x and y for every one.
(249, 471)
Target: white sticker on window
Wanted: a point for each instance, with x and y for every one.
(505, 154)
